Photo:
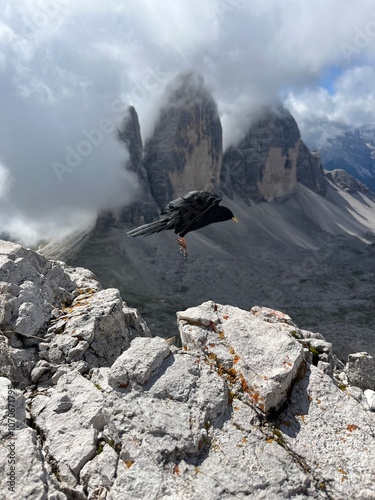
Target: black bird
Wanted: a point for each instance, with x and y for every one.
(193, 211)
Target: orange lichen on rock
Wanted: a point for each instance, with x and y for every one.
(253, 394)
(176, 469)
(352, 427)
(232, 375)
(287, 363)
(342, 471)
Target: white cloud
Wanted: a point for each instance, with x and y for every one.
(5, 182)
(321, 114)
(64, 63)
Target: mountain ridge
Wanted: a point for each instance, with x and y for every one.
(354, 152)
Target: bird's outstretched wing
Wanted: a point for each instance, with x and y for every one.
(189, 209)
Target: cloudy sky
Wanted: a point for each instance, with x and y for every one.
(69, 68)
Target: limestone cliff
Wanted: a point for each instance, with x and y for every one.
(269, 161)
(185, 151)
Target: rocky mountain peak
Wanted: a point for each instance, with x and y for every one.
(130, 134)
(346, 182)
(185, 151)
(187, 88)
(271, 158)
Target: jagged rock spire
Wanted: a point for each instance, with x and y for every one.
(185, 151)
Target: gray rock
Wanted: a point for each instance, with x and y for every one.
(310, 172)
(62, 310)
(33, 477)
(324, 427)
(145, 209)
(95, 330)
(39, 370)
(235, 342)
(355, 392)
(139, 362)
(38, 286)
(360, 370)
(98, 475)
(70, 416)
(370, 398)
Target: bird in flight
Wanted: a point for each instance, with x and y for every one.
(192, 211)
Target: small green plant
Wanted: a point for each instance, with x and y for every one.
(315, 355)
(100, 447)
(279, 438)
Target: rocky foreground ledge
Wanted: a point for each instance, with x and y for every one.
(93, 407)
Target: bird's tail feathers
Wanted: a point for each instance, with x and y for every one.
(147, 229)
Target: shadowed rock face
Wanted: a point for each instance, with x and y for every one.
(309, 170)
(267, 163)
(263, 164)
(185, 152)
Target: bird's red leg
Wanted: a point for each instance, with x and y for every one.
(183, 248)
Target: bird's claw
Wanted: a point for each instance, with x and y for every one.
(183, 248)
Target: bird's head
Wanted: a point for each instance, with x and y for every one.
(226, 214)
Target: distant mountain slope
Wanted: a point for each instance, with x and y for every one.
(353, 152)
(299, 254)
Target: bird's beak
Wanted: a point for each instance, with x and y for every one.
(235, 219)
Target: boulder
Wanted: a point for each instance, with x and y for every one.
(360, 370)
(235, 341)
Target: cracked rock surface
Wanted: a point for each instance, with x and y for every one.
(250, 406)
(53, 317)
